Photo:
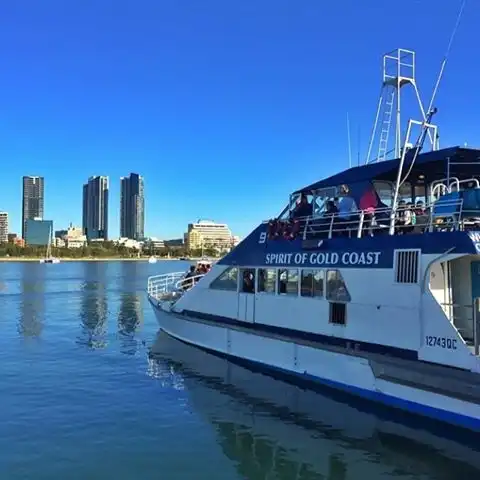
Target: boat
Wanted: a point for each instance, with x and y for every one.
(368, 281)
(278, 428)
(152, 259)
(48, 256)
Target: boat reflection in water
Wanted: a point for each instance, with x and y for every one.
(272, 429)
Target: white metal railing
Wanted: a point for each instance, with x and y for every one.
(159, 285)
(170, 285)
(476, 325)
(442, 215)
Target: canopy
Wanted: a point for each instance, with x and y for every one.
(464, 163)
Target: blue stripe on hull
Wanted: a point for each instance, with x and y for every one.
(293, 335)
(313, 382)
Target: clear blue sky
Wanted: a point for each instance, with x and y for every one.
(223, 106)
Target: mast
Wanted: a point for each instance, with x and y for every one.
(398, 72)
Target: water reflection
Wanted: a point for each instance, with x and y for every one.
(130, 314)
(94, 306)
(32, 305)
(270, 429)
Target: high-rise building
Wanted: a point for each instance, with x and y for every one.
(132, 207)
(3, 227)
(32, 199)
(95, 208)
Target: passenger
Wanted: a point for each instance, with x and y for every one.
(303, 208)
(248, 282)
(191, 273)
(368, 204)
(404, 218)
(330, 208)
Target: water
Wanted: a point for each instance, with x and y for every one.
(88, 389)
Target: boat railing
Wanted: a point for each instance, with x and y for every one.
(158, 286)
(476, 326)
(170, 286)
(443, 215)
(185, 284)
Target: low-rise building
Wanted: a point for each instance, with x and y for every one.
(128, 243)
(208, 234)
(153, 244)
(38, 232)
(72, 237)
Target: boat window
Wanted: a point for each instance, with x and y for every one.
(227, 280)
(312, 283)
(247, 277)
(385, 192)
(405, 193)
(336, 288)
(266, 280)
(288, 281)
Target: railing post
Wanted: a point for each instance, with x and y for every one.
(331, 226)
(360, 224)
(476, 304)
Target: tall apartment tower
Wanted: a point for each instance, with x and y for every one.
(32, 199)
(132, 207)
(3, 227)
(95, 208)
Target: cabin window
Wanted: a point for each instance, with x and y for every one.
(227, 280)
(247, 279)
(311, 283)
(385, 192)
(338, 313)
(336, 288)
(288, 281)
(266, 280)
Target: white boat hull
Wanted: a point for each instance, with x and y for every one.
(314, 366)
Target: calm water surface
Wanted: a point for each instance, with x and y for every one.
(90, 390)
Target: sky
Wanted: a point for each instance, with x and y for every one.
(224, 107)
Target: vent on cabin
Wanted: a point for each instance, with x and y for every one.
(407, 266)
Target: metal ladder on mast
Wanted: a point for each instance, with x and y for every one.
(387, 121)
(398, 71)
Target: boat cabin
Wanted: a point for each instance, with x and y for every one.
(437, 191)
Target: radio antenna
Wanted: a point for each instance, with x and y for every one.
(349, 143)
(447, 53)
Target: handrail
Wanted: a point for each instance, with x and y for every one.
(476, 326)
(190, 280)
(446, 214)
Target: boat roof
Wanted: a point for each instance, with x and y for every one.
(433, 165)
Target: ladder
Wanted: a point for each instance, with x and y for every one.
(387, 121)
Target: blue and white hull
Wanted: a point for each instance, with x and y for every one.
(361, 375)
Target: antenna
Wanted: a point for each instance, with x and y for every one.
(358, 145)
(349, 143)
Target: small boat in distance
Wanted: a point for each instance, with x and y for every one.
(152, 259)
(48, 256)
(368, 281)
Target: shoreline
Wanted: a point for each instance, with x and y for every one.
(87, 259)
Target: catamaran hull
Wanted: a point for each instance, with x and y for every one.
(314, 367)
